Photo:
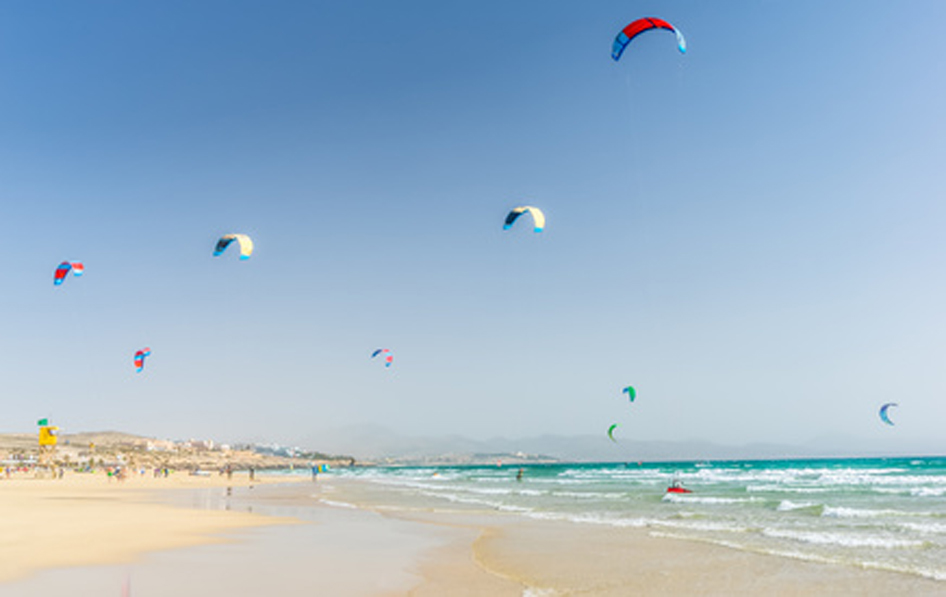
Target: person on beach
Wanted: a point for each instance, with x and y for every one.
(252, 474)
(229, 471)
(315, 472)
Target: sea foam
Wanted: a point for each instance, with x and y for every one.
(842, 539)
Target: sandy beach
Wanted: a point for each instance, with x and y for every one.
(89, 519)
(246, 546)
(192, 537)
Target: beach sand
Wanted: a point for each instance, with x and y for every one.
(236, 546)
(333, 551)
(86, 519)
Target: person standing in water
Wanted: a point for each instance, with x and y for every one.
(519, 475)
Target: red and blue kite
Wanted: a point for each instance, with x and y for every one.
(387, 359)
(64, 268)
(140, 358)
(639, 26)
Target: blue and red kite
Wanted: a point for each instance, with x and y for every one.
(140, 358)
(64, 268)
(640, 26)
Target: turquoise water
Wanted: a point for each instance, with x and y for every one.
(887, 514)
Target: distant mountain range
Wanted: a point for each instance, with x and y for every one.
(377, 443)
(374, 444)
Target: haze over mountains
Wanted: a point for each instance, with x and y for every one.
(373, 442)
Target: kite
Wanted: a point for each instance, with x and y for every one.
(883, 412)
(140, 358)
(631, 392)
(245, 242)
(388, 359)
(611, 432)
(64, 268)
(639, 26)
(538, 217)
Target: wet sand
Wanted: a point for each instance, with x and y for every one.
(569, 559)
(387, 546)
(555, 558)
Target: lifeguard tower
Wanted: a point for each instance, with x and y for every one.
(48, 439)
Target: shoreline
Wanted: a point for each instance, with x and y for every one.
(349, 537)
(549, 557)
(613, 562)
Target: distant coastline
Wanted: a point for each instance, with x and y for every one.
(117, 449)
(114, 448)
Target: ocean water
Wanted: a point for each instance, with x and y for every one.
(886, 514)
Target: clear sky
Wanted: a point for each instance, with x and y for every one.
(751, 233)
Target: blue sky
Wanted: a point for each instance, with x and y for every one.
(751, 234)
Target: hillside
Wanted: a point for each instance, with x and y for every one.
(110, 448)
